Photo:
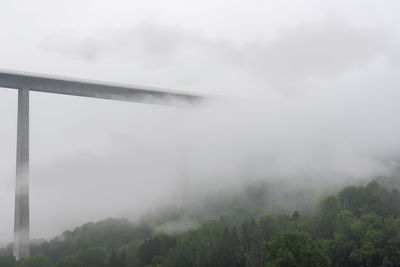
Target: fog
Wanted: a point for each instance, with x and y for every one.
(302, 95)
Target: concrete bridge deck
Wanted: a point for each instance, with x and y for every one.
(26, 82)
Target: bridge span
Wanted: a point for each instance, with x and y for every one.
(25, 82)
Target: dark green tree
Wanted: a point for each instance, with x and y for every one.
(326, 217)
(8, 261)
(122, 259)
(295, 215)
(93, 257)
(36, 261)
(113, 260)
(296, 249)
(154, 250)
(69, 261)
(225, 252)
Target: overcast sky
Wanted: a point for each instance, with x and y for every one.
(310, 88)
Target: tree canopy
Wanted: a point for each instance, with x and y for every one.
(359, 226)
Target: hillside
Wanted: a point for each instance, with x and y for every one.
(359, 226)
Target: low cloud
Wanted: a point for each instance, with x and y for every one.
(294, 56)
(318, 108)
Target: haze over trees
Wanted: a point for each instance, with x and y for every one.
(273, 170)
(359, 226)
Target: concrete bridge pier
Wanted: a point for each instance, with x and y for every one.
(21, 219)
(25, 82)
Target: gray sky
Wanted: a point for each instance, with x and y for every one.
(312, 91)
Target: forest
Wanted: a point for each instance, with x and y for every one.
(357, 226)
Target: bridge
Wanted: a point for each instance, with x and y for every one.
(25, 82)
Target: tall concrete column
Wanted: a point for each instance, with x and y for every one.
(21, 219)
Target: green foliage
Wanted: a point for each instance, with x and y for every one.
(68, 261)
(370, 199)
(154, 250)
(36, 261)
(93, 257)
(296, 249)
(326, 217)
(8, 261)
(360, 226)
